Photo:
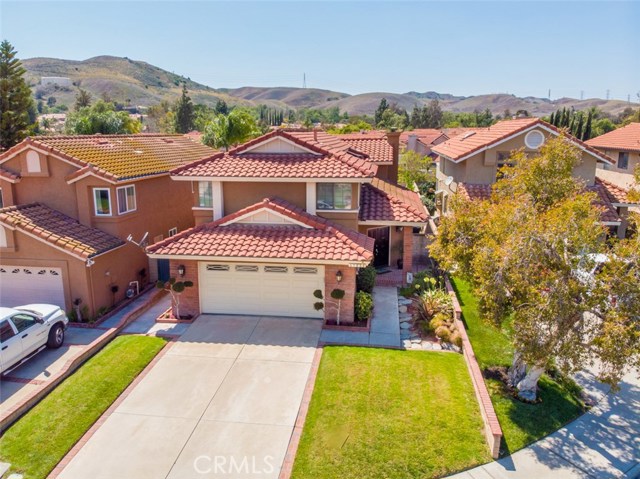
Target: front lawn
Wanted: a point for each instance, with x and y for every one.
(521, 423)
(41, 438)
(393, 414)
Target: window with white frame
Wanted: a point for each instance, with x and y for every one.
(173, 232)
(126, 199)
(333, 196)
(205, 194)
(102, 201)
(33, 162)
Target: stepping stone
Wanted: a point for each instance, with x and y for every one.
(4, 467)
(405, 325)
(405, 317)
(15, 476)
(402, 309)
(404, 301)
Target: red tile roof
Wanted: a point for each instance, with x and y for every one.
(383, 202)
(424, 135)
(379, 150)
(626, 138)
(609, 214)
(58, 229)
(9, 175)
(330, 158)
(461, 147)
(615, 194)
(320, 240)
(373, 143)
(364, 134)
(119, 157)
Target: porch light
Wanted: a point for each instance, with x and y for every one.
(339, 276)
(181, 270)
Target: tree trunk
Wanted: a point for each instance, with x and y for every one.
(517, 371)
(528, 386)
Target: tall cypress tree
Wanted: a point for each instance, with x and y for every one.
(578, 133)
(184, 112)
(15, 98)
(552, 118)
(586, 134)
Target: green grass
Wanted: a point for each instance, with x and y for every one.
(379, 413)
(41, 438)
(521, 423)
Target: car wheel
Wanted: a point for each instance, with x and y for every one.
(56, 336)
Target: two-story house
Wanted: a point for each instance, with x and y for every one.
(623, 146)
(469, 165)
(284, 215)
(422, 140)
(77, 212)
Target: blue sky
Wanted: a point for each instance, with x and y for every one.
(464, 48)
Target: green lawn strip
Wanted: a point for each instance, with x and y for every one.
(393, 414)
(521, 423)
(41, 438)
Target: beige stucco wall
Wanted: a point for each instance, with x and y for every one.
(238, 195)
(634, 161)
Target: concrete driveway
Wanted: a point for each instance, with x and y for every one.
(222, 402)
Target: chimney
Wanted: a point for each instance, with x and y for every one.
(411, 142)
(393, 137)
(315, 134)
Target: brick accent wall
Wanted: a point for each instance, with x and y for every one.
(348, 284)
(407, 252)
(190, 297)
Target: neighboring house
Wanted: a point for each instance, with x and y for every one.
(422, 140)
(623, 146)
(284, 215)
(71, 202)
(469, 165)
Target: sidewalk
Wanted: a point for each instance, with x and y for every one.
(385, 323)
(603, 443)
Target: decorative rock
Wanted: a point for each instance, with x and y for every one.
(436, 347)
(405, 317)
(416, 341)
(405, 325)
(402, 309)
(406, 344)
(427, 346)
(404, 301)
(405, 334)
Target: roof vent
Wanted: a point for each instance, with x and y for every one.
(138, 152)
(467, 135)
(102, 141)
(167, 140)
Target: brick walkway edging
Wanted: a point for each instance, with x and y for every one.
(492, 429)
(64, 462)
(292, 449)
(12, 414)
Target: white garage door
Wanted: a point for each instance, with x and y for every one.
(260, 289)
(28, 284)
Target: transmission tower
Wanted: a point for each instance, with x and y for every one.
(608, 91)
(304, 80)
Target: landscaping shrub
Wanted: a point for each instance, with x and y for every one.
(434, 313)
(366, 279)
(363, 306)
(425, 279)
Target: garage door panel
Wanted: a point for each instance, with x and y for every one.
(279, 290)
(28, 284)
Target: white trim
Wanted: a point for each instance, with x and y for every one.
(320, 211)
(135, 200)
(95, 205)
(201, 208)
(244, 259)
(44, 152)
(201, 185)
(528, 135)
(90, 173)
(117, 180)
(256, 179)
(278, 138)
(217, 196)
(270, 211)
(173, 231)
(34, 164)
(514, 135)
(610, 223)
(311, 198)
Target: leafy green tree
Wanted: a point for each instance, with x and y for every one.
(414, 169)
(226, 131)
(221, 107)
(184, 112)
(526, 250)
(51, 101)
(160, 118)
(382, 107)
(102, 118)
(83, 99)
(16, 105)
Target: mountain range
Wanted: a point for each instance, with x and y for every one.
(138, 83)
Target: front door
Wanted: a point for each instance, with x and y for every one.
(381, 247)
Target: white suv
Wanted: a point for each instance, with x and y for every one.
(24, 330)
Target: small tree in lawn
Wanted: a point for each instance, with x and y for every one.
(175, 288)
(337, 295)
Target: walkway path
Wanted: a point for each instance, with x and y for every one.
(603, 443)
(385, 323)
